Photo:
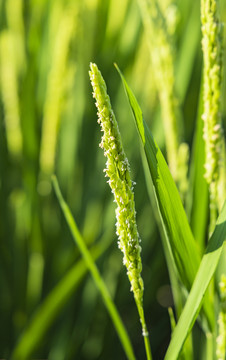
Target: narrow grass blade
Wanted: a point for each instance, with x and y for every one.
(121, 331)
(198, 210)
(51, 307)
(181, 241)
(179, 234)
(206, 270)
(174, 281)
(189, 44)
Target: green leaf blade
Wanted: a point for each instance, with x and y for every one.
(175, 223)
(198, 188)
(205, 273)
(173, 215)
(171, 209)
(135, 109)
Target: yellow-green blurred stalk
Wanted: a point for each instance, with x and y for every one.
(56, 87)
(9, 90)
(159, 20)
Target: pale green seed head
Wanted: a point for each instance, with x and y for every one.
(212, 57)
(118, 173)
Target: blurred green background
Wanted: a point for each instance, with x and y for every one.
(48, 125)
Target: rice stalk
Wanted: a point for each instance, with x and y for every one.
(158, 31)
(117, 170)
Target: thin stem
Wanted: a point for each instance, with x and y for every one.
(147, 347)
(144, 331)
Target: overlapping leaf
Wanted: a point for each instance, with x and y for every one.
(206, 270)
(181, 241)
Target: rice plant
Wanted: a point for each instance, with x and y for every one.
(156, 71)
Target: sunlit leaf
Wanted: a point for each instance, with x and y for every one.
(205, 273)
(181, 241)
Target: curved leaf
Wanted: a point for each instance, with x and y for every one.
(175, 223)
(205, 273)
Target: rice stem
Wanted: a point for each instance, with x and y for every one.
(117, 170)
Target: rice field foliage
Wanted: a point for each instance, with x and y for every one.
(61, 299)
